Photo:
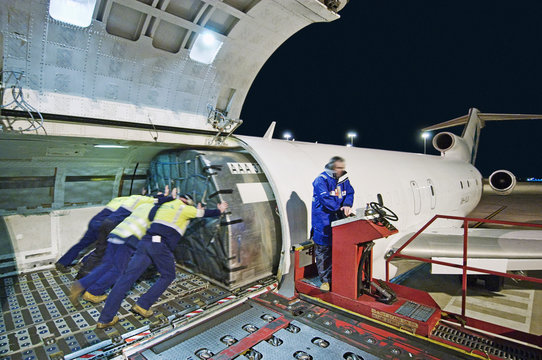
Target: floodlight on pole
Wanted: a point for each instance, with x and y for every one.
(287, 136)
(425, 135)
(351, 135)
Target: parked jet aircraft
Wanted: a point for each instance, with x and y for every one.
(146, 79)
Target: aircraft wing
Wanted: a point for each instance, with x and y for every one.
(493, 249)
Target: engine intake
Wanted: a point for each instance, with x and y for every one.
(502, 182)
(444, 141)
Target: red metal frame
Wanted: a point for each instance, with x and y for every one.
(469, 321)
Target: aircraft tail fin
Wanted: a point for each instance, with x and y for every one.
(474, 121)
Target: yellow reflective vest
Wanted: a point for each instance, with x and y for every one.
(176, 214)
(136, 224)
(132, 202)
(116, 203)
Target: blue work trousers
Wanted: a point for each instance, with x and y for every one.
(90, 236)
(322, 257)
(147, 252)
(111, 268)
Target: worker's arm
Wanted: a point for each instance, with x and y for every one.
(220, 208)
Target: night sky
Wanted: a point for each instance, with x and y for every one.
(386, 69)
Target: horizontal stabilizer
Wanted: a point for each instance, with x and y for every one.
(484, 117)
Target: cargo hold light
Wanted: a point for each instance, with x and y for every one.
(110, 146)
(74, 12)
(205, 48)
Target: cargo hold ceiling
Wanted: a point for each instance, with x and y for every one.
(164, 62)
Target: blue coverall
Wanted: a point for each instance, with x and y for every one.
(111, 268)
(148, 252)
(329, 195)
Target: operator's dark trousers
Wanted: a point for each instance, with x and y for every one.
(322, 254)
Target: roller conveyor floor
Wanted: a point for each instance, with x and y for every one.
(39, 322)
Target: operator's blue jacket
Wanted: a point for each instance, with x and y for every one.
(329, 195)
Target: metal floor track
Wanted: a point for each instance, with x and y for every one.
(39, 322)
(504, 349)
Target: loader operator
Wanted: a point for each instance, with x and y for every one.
(332, 199)
(157, 246)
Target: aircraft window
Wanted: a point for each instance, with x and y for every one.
(461, 183)
(468, 183)
(433, 197)
(417, 197)
(74, 12)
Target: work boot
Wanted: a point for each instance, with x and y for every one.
(94, 298)
(145, 313)
(324, 286)
(109, 324)
(61, 268)
(75, 292)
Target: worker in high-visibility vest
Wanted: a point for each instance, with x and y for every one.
(90, 235)
(128, 205)
(121, 245)
(157, 247)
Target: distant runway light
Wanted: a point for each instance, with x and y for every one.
(351, 135)
(425, 135)
(287, 136)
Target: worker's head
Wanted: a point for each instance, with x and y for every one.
(336, 165)
(187, 199)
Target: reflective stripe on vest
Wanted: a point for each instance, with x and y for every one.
(136, 224)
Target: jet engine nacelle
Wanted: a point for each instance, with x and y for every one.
(502, 182)
(451, 145)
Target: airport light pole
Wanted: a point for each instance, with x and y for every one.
(287, 136)
(425, 135)
(351, 135)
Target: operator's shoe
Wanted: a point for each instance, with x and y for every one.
(94, 298)
(324, 286)
(61, 268)
(145, 313)
(109, 324)
(75, 292)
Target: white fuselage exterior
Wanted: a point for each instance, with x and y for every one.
(403, 179)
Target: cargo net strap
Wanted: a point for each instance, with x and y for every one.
(202, 248)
